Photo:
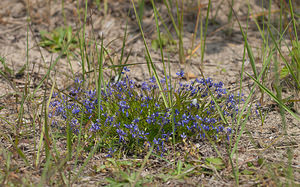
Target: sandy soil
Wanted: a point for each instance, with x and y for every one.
(222, 62)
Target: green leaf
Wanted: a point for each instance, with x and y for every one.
(56, 39)
(215, 162)
(69, 34)
(247, 172)
(7, 70)
(99, 168)
(164, 39)
(125, 163)
(284, 72)
(155, 44)
(179, 167)
(249, 164)
(260, 161)
(45, 35)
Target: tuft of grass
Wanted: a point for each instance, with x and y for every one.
(55, 40)
(132, 117)
(178, 25)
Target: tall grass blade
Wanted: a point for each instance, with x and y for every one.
(180, 27)
(52, 66)
(150, 58)
(171, 16)
(205, 32)
(274, 97)
(291, 71)
(141, 5)
(19, 151)
(293, 19)
(100, 81)
(249, 50)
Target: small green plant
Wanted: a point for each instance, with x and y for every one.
(56, 40)
(295, 61)
(123, 174)
(8, 72)
(182, 170)
(215, 163)
(177, 19)
(291, 71)
(134, 118)
(127, 178)
(105, 6)
(167, 42)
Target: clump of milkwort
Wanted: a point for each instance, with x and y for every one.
(133, 116)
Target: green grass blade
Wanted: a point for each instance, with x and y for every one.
(205, 32)
(293, 19)
(249, 50)
(19, 151)
(171, 16)
(150, 58)
(274, 97)
(51, 67)
(247, 101)
(284, 59)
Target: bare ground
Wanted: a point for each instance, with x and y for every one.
(222, 62)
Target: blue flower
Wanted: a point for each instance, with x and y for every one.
(75, 110)
(78, 81)
(180, 74)
(95, 127)
(152, 80)
(126, 69)
(145, 86)
(54, 95)
(110, 152)
(183, 135)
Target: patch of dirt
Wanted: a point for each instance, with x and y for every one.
(222, 62)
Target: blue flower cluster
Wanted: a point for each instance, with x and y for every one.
(134, 115)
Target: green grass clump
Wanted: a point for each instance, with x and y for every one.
(56, 40)
(134, 116)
